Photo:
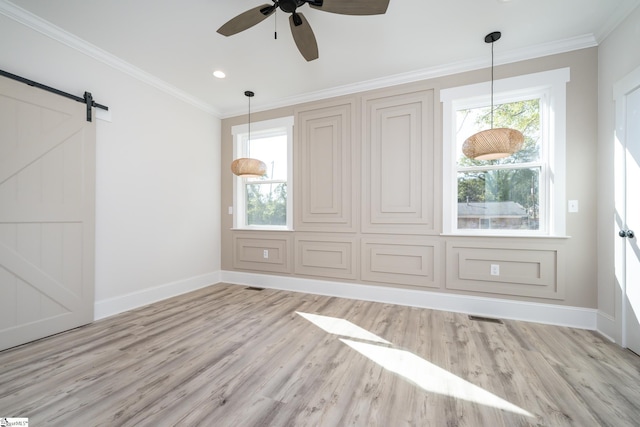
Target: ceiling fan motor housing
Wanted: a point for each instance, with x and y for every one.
(300, 29)
(289, 6)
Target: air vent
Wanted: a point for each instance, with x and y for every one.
(485, 319)
(254, 288)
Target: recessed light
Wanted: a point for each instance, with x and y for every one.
(219, 74)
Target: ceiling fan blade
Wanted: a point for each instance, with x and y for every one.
(351, 7)
(303, 36)
(246, 19)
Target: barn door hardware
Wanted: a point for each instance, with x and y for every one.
(87, 99)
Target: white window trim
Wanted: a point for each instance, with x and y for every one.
(259, 129)
(553, 83)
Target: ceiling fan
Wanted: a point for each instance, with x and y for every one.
(300, 28)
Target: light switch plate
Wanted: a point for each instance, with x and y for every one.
(573, 206)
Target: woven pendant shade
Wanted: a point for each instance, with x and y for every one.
(493, 144)
(248, 168)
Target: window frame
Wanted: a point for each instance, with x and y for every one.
(265, 128)
(550, 87)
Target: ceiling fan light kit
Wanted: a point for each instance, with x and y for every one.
(300, 29)
(494, 143)
(247, 167)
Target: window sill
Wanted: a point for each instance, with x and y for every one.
(509, 236)
(261, 229)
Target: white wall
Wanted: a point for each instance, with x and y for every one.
(158, 174)
(618, 55)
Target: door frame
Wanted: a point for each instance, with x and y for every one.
(621, 89)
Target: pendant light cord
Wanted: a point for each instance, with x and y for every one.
(249, 94)
(492, 85)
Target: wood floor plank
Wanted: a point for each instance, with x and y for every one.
(327, 404)
(229, 356)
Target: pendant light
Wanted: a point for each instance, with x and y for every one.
(247, 167)
(493, 143)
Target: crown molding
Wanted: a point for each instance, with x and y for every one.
(537, 51)
(46, 28)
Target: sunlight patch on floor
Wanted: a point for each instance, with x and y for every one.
(409, 366)
(336, 326)
(430, 377)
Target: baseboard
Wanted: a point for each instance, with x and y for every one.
(608, 327)
(576, 317)
(110, 306)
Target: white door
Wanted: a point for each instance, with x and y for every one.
(47, 187)
(628, 134)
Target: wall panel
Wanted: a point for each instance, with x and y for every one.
(249, 251)
(398, 162)
(325, 167)
(326, 256)
(404, 261)
(522, 269)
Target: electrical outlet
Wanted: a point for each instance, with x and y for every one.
(265, 253)
(495, 269)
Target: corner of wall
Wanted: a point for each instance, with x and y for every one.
(111, 306)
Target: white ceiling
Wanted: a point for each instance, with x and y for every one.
(176, 41)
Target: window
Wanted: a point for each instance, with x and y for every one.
(522, 194)
(264, 202)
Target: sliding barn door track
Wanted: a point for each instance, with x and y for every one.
(86, 99)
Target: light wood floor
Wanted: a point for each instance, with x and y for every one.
(229, 356)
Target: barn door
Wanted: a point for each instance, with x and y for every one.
(47, 194)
